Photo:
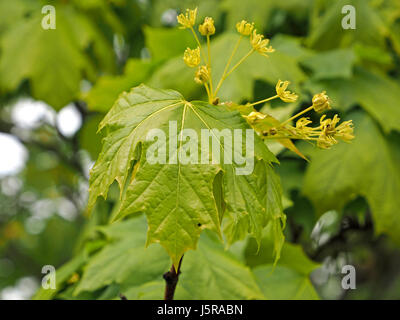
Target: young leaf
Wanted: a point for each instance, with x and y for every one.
(178, 199)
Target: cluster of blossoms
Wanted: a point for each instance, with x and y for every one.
(325, 135)
(193, 57)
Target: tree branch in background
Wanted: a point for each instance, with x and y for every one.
(71, 161)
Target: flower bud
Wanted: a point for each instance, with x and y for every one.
(202, 75)
(321, 102)
(192, 57)
(207, 28)
(244, 28)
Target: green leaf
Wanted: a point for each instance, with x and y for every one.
(107, 89)
(338, 176)
(262, 125)
(178, 199)
(378, 94)
(240, 84)
(126, 260)
(291, 46)
(205, 8)
(88, 138)
(395, 36)
(54, 56)
(292, 256)
(176, 74)
(63, 275)
(291, 172)
(283, 283)
(327, 31)
(137, 270)
(213, 273)
(153, 290)
(262, 13)
(374, 56)
(239, 223)
(166, 43)
(12, 11)
(332, 64)
(289, 279)
(163, 44)
(340, 91)
(239, 10)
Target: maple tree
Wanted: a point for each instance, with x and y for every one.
(282, 232)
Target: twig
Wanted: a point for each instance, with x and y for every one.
(171, 279)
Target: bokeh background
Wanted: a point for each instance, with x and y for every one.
(56, 85)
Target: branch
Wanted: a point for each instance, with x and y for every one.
(71, 161)
(339, 242)
(171, 279)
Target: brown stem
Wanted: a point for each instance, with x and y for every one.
(171, 279)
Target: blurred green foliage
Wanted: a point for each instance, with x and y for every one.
(341, 206)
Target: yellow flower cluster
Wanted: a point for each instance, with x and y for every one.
(244, 28)
(192, 57)
(325, 135)
(207, 28)
(187, 20)
(260, 44)
(329, 132)
(255, 115)
(302, 128)
(257, 41)
(285, 96)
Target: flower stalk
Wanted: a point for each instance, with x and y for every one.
(325, 135)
